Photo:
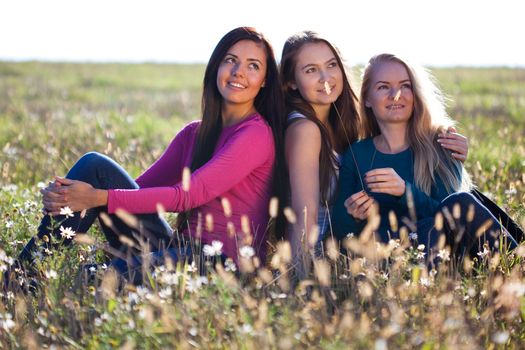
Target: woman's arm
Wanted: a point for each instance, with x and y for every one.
(167, 170)
(302, 149)
(250, 147)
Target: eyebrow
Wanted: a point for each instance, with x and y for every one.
(387, 82)
(249, 59)
(314, 65)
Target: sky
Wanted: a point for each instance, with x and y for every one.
(432, 33)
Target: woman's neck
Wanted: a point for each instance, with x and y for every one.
(232, 116)
(393, 139)
(322, 112)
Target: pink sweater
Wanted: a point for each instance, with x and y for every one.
(240, 170)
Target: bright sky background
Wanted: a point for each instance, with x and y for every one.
(445, 32)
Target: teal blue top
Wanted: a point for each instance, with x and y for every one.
(368, 158)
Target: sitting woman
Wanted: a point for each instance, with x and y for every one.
(402, 167)
(231, 153)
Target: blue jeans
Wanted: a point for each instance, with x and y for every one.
(461, 233)
(103, 173)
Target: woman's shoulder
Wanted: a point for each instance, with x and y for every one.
(303, 128)
(192, 126)
(295, 115)
(253, 126)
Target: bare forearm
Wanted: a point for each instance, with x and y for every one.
(100, 198)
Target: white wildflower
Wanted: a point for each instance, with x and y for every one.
(193, 331)
(229, 265)
(247, 251)
(67, 212)
(500, 337)
(191, 267)
(393, 244)
(444, 255)
(424, 281)
(51, 274)
(484, 253)
(246, 329)
(6, 321)
(9, 223)
(421, 247)
(214, 249)
(165, 293)
(194, 284)
(381, 343)
(413, 236)
(67, 232)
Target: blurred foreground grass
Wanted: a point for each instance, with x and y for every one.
(50, 114)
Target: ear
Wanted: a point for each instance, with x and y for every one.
(368, 104)
(263, 84)
(292, 86)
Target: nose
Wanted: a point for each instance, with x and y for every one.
(237, 70)
(323, 76)
(395, 94)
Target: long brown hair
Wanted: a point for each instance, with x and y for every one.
(428, 119)
(268, 103)
(343, 117)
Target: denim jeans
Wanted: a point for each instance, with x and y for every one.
(461, 231)
(103, 173)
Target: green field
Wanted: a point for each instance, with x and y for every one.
(52, 113)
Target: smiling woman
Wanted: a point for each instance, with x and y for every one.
(231, 153)
(407, 172)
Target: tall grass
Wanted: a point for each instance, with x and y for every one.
(379, 296)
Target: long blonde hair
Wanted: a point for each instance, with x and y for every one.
(428, 119)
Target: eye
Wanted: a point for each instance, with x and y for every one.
(310, 70)
(406, 86)
(229, 59)
(254, 66)
(382, 87)
(333, 64)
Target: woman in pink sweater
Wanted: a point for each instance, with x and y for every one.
(231, 153)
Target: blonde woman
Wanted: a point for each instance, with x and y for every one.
(401, 162)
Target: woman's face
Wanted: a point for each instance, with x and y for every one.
(318, 76)
(242, 73)
(390, 93)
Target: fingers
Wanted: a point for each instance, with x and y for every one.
(379, 171)
(356, 197)
(358, 204)
(455, 146)
(459, 156)
(64, 181)
(456, 143)
(371, 179)
(53, 206)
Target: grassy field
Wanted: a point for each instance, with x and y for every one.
(50, 114)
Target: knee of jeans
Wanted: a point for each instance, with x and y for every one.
(462, 198)
(92, 160)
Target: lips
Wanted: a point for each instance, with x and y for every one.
(395, 107)
(236, 85)
(327, 90)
